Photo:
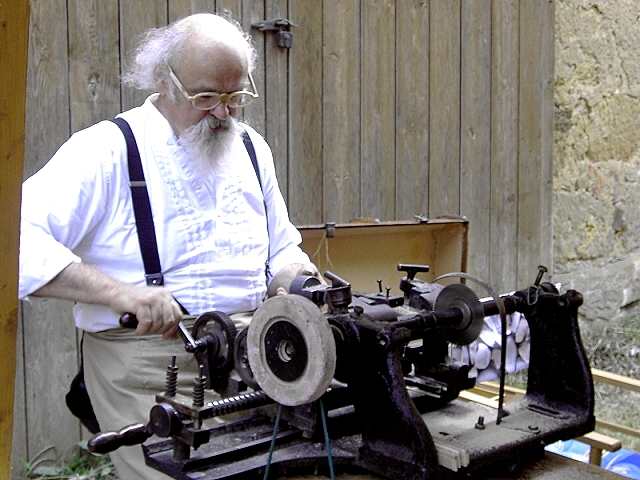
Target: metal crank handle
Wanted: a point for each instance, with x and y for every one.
(129, 320)
(109, 441)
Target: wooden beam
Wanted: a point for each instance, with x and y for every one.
(621, 381)
(14, 23)
(633, 432)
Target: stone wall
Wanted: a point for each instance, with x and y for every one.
(596, 205)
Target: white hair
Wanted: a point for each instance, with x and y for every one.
(164, 46)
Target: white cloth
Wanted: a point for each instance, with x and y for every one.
(210, 226)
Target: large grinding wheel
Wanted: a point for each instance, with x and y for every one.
(291, 349)
(464, 299)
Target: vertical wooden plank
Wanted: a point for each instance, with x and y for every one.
(547, 125)
(504, 144)
(19, 452)
(50, 355)
(305, 160)
(135, 19)
(377, 181)
(50, 352)
(412, 108)
(94, 64)
(47, 84)
(182, 8)
(535, 137)
(341, 87)
(252, 12)
(230, 8)
(444, 108)
(277, 95)
(14, 28)
(475, 131)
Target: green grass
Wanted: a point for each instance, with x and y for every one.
(616, 349)
(81, 466)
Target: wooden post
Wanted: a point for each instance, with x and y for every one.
(14, 22)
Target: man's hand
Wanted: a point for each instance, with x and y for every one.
(155, 308)
(281, 281)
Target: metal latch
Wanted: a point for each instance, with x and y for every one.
(282, 27)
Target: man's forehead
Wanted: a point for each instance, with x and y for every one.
(214, 68)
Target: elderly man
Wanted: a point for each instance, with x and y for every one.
(220, 225)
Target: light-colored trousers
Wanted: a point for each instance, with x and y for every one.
(123, 373)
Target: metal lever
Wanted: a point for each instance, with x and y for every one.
(411, 269)
(281, 26)
(129, 320)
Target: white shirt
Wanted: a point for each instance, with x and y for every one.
(210, 228)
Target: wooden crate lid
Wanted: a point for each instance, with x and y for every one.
(362, 253)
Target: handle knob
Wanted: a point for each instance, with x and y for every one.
(109, 441)
(128, 320)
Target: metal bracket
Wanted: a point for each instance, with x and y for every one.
(282, 27)
(330, 229)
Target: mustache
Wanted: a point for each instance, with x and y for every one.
(215, 122)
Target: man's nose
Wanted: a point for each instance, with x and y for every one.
(220, 111)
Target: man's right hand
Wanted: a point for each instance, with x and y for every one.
(154, 307)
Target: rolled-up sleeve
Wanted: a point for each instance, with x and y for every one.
(60, 204)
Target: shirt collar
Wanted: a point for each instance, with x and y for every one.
(157, 121)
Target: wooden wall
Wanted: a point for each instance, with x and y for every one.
(382, 109)
(14, 20)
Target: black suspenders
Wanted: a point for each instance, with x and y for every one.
(142, 206)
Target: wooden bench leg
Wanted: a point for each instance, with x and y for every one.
(595, 456)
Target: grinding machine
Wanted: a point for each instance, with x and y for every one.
(327, 380)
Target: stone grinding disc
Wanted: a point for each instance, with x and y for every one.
(291, 350)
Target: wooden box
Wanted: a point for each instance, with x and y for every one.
(363, 253)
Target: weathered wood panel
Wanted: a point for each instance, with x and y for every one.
(383, 108)
(305, 161)
(535, 132)
(255, 114)
(277, 95)
(94, 62)
(50, 353)
(475, 130)
(14, 30)
(341, 110)
(444, 108)
(412, 108)
(377, 164)
(230, 8)
(182, 8)
(19, 452)
(135, 19)
(503, 227)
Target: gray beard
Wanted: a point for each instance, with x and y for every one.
(206, 146)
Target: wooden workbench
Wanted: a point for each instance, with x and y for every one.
(550, 467)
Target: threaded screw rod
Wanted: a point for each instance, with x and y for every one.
(172, 378)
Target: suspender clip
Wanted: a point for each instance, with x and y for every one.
(154, 279)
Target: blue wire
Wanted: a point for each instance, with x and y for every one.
(273, 443)
(327, 440)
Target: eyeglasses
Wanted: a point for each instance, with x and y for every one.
(210, 100)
